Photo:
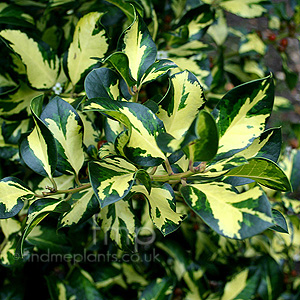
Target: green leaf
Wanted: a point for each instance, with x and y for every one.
(291, 77)
(246, 8)
(184, 100)
(57, 289)
(156, 70)
(83, 286)
(263, 171)
(111, 179)
(37, 211)
(205, 147)
(230, 214)
(38, 149)
(242, 115)
(136, 42)
(48, 239)
(162, 207)
(67, 128)
(279, 220)
(84, 206)
(102, 82)
(127, 8)
(120, 62)
(139, 142)
(88, 41)
(13, 194)
(42, 67)
(160, 289)
(119, 221)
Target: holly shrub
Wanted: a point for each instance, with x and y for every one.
(130, 168)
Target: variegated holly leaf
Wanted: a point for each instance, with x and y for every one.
(106, 150)
(102, 82)
(12, 130)
(112, 179)
(220, 168)
(197, 21)
(13, 194)
(246, 8)
(279, 220)
(120, 62)
(47, 238)
(89, 41)
(112, 129)
(136, 42)
(198, 65)
(241, 115)
(42, 66)
(229, 213)
(184, 100)
(162, 207)
(67, 128)
(252, 43)
(263, 171)
(119, 221)
(18, 102)
(37, 211)
(139, 143)
(267, 145)
(156, 70)
(38, 149)
(161, 288)
(290, 165)
(242, 286)
(84, 205)
(199, 143)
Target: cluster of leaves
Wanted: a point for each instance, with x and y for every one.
(131, 158)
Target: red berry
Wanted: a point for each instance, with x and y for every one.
(272, 37)
(100, 144)
(168, 19)
(284, 42)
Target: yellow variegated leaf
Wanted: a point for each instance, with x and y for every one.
(39, 147)
(66, 126)
(252, 42)
(235, 286)
(245, 8)
(219, 30)
(9, 226)
(106, 150)
(162, 207)
(230, 214)
(111, 179)
(138, 144)
(13, 194)
(191, 65)
(187, 98)
(118, 219)
(245, 111)
(86, 44)
(139, 47)
(41, 72)
(17, 102)
(187, 49)
(83, 208)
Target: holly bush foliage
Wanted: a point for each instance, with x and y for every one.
(101, 130)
